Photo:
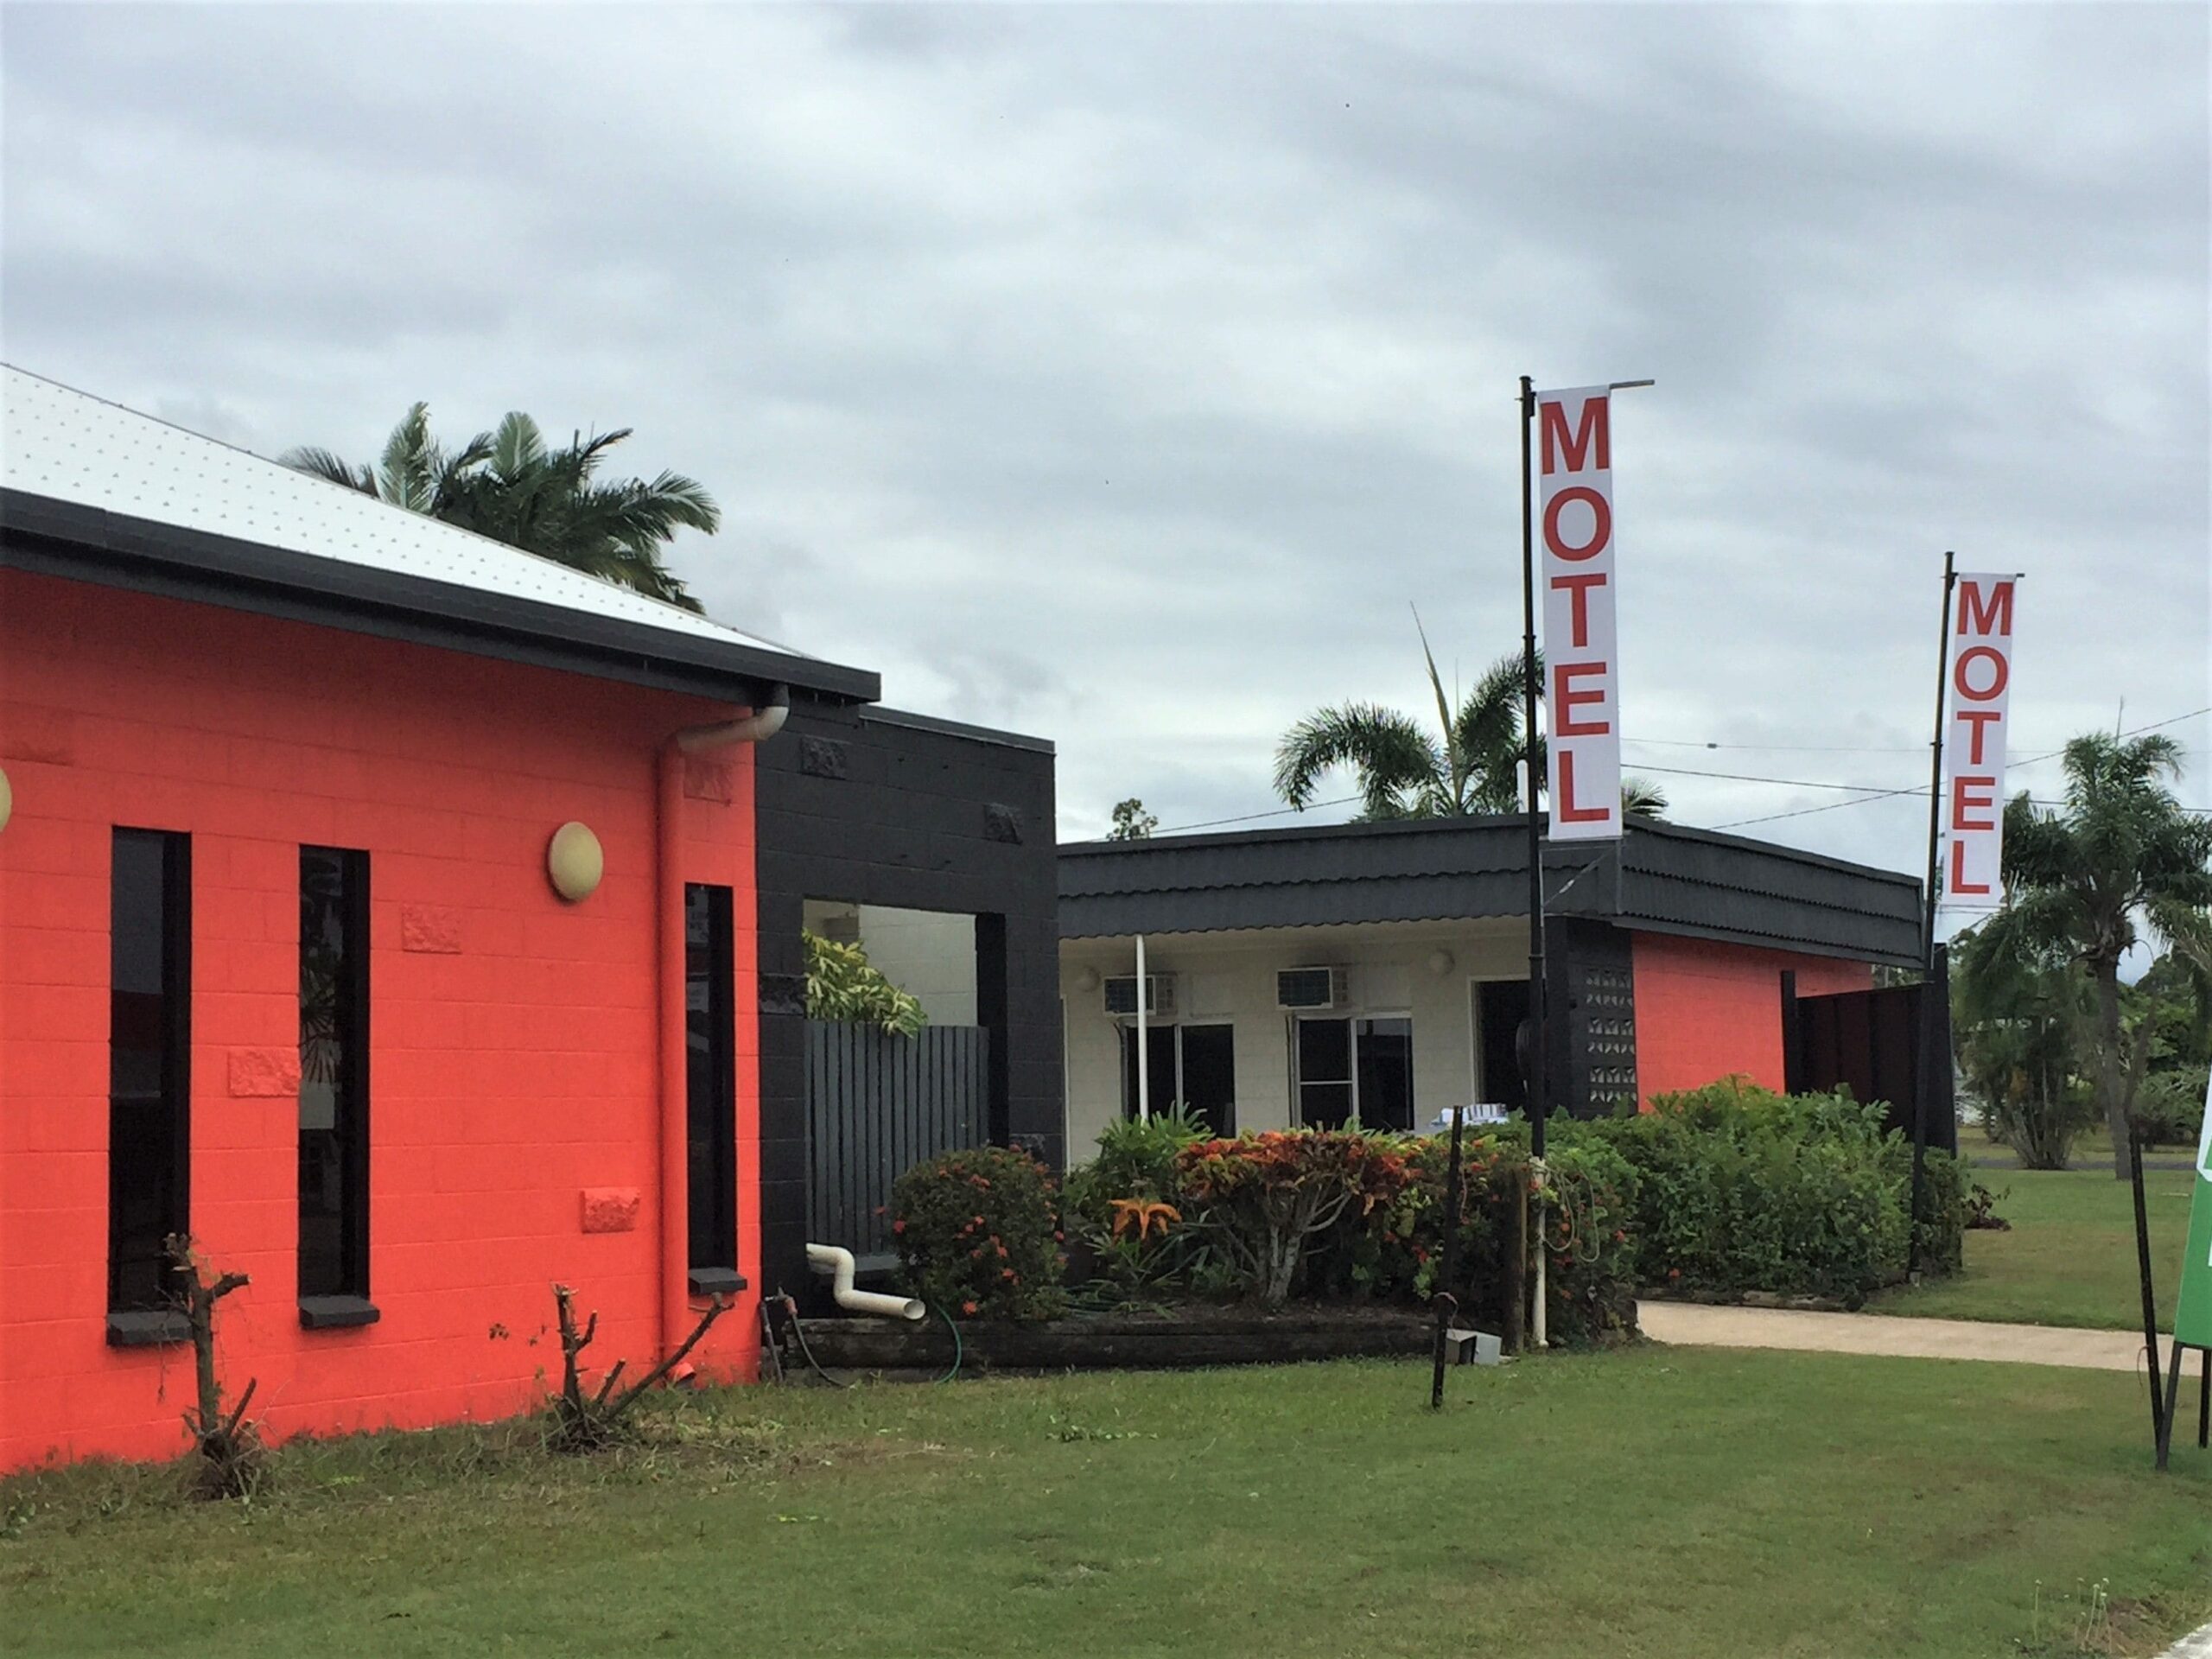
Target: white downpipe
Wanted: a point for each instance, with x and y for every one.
(839, 1264)
(1144, 1055)
(1543, 1250)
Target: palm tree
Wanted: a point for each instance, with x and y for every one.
(1469, 766)
(2016, 1022)
(2121, 861)
(509, 486)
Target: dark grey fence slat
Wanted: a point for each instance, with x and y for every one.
(877, 1105)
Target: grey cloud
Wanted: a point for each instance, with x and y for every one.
(1121, 373)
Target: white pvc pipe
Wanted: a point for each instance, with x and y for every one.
(839, 1264)
(1543, 1254)
(1144, 1054)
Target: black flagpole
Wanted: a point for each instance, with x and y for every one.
(1930, 988)
(1537, 1050)
(1539, 1091)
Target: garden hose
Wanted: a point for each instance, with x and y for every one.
(957, 1349)
(799, 1333)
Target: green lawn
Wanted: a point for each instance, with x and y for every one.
(1651, 1502)
(2069, 1258)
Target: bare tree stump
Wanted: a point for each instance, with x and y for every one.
(592, 1422)
(229, 1448)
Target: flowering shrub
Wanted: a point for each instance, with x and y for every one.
(1265, 1195)
(976, 1233)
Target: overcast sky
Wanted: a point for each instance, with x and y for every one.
(1123, 375)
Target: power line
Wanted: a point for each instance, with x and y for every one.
(1921, 788)
(1860, 793)
(1757, 777)
(1848, 748)
(1248, 817)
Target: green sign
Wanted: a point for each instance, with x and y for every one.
(2193, 1321)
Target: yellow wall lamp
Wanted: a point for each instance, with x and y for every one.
(575, 861)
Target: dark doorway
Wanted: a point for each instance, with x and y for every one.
(1501, 1007)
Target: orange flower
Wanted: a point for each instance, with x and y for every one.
(1141, 1213)
(968, 1307)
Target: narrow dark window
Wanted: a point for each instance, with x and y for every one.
(334, 1078)
(712, 1081)
(150, 1037)
(1324, 1073)
(1386, 1074)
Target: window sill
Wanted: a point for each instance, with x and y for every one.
(336, 1313)
(716, 1282)
(151, 1327)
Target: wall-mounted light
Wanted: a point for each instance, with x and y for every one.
(1439, 962)
(575, 861)
(1087, 980)
(7, 800)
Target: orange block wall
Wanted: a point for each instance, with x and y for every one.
(1706, 1010)
(513, 1037)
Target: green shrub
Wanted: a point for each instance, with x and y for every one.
(978, 1235)
(1742, 1189)
(842, 984)
(1125, 1207)
(1135, 1161)
(2170, 1108)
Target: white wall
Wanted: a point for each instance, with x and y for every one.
(1231, 977)
(929, 954)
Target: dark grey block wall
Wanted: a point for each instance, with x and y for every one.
(877, 807)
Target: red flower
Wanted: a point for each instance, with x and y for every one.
(898, 1226)
(1673, 1273)
(968, 1307)
(1006, 1274)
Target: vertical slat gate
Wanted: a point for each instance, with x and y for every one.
(877, 1105)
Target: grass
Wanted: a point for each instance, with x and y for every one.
(2069, 1258)
(1648, 1501)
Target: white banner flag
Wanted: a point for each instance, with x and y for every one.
(1581, 661)
(1980, 671)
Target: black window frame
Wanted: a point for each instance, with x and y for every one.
(142, 1292)
(1358, 1074)
(1171, 1037)
(710, 1088)
(333, 1286)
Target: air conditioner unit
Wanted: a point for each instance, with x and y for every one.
(1159, 996)
(1311, 990)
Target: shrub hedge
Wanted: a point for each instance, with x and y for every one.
(1743, 1189)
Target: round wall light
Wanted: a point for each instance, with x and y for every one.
(575, 861)
(7, 800)
(1439, 962)
(1087, 980)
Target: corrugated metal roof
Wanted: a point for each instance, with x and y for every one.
(65, 446)
(1661, 876)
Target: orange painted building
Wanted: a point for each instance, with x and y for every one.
(283, 963)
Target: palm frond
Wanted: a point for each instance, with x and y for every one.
(1395, 762)
(1453, 799)
(1488, 730)
(323, 463)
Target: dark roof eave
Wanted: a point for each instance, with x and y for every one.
(52, 537)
